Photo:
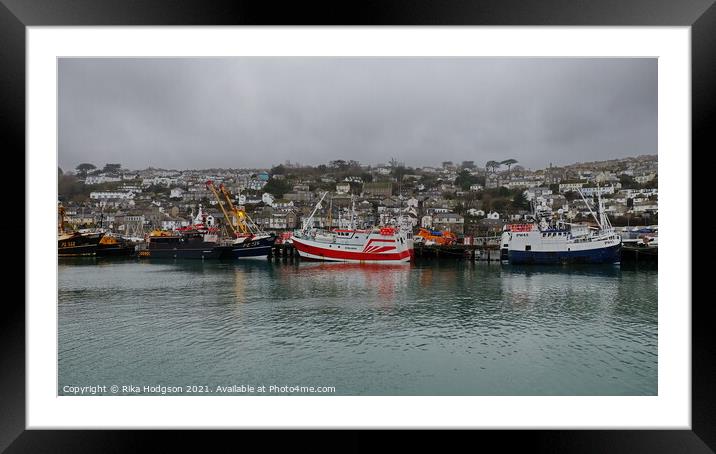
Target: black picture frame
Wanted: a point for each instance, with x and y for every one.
(15, 15)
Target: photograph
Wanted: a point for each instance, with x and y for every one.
(357, 226)
(422, 216)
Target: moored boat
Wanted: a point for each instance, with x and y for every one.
(249, 241)
(75, 243)
(561, 242)
(197, 241)
(185, 244)
(375, 245)
(114, 246)
(78, 244)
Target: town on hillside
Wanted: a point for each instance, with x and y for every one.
(463, 198)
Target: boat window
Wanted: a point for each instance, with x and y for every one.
(528, 248)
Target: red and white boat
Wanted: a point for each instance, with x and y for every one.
(376, 245)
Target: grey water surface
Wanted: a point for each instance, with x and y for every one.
(434, 328)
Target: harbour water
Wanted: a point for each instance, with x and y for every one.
(432, 328)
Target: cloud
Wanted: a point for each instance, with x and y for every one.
(258, 112)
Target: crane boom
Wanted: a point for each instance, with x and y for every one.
(238, 213)
(210, 186)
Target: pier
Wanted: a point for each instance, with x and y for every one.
(473, 253)
(640, 254)
(284, 251)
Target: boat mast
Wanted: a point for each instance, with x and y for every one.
(353, 213)
(602, 213)
(308, 222)
(61, 212)
(590, 208)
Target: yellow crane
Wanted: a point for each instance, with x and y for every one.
(212, 188)
(61, 219)
(239, 214)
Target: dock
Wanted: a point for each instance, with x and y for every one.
(473, 253)
(639, 254)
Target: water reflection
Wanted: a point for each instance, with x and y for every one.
(456, 328)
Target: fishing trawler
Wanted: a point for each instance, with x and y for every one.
(196, 241)
(249, 240)
(386, 244)
(76, 243)
(560, 242)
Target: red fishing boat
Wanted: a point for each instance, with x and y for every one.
(376, 245)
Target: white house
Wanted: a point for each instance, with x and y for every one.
(644, 178)
(256, 184)
(493, 215)
(449, 221)
(99, 179)
(267, 198)
(537, 193)
(110, 195)
(591, 191)
(475, 212)
(343, 188)
(566, 187)
(426, 222)
(176, 193)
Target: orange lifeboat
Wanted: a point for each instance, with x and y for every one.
(437, 236)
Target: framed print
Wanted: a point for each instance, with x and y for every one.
(449, 225)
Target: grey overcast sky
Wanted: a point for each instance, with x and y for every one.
(258, 112)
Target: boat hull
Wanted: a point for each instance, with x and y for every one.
(79, 245)
(313, 250)
(610, 254)
(201, 253)
(114, 251)
(260, 248)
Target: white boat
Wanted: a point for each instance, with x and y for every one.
(561, 242)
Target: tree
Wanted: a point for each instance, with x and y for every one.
(70, 189)
(492, 165)
(520, 202)
(277, 188)
(509, 163)
(465, 179)
(398, 172)
(628, 182)
(109, 168)
(278, 170)
(83, 168)
(366, 177)
(499, 205)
